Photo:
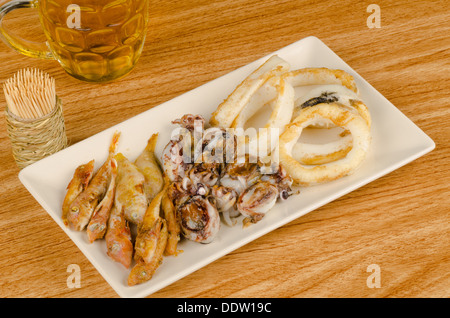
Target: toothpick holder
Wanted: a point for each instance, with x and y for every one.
(35, 139)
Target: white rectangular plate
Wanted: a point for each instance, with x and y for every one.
(396, 142)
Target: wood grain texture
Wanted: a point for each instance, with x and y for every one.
(400, 221)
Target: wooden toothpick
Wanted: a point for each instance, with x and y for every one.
(30, 93)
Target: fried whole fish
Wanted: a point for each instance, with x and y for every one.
(82, 208)
(143, 271)
(118, 238)
(149, 167)
(130, 195)
(96, 228)
(150, 244)
(80, 180)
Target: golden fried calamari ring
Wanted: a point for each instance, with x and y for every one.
(263, 97)
(317, 154)
(277, 91)
(340, 116)
(321, 76)
(337, 93)
(281, 100)
(324, 153)
(310, 154)
(227, 111)
(344, 91)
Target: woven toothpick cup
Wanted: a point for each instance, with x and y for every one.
(35, 139)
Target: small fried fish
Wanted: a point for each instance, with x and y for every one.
(96, 228)
(82, 208)
(81, 178)
(118, 238)
(130, 196)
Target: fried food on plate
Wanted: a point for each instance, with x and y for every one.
(308, 153)
(80, 180)
(82, 208)
(227, 111)
(278, 95)
(130, 196)
(321, 76)
(338, 115)
(149, 167)
(173, 228)
(96, 228)
(150, 243)
(118, 238)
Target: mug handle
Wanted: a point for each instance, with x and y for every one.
(26, 47)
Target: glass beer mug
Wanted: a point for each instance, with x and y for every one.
(93, 40)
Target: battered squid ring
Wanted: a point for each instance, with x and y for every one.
(340, 116)
(321, 76)
(277, 94)
(227, 111)
(337, 93)
(319, 154)
(345, 92)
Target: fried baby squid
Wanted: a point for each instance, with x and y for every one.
(240, 175)
(257, 200)
(199, 219)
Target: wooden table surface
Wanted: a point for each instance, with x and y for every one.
(399, 222)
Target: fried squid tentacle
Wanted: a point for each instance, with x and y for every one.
(240, 175)
(118, 238)
(81, 178)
